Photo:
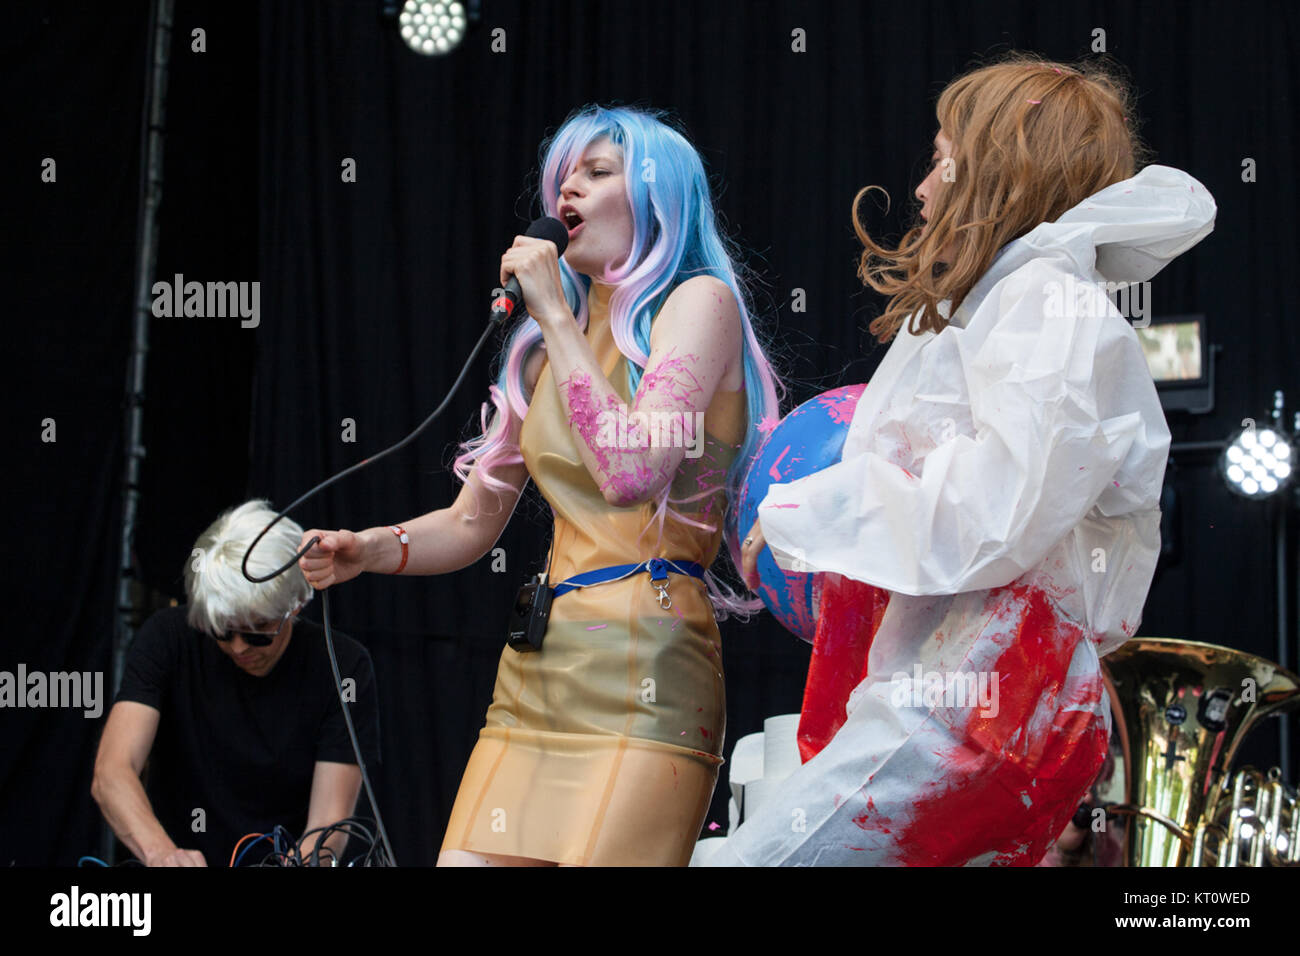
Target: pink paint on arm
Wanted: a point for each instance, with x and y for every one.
(630, 484)
(584, 415)
(672, 376)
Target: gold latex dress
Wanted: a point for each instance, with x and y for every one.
(603, 748)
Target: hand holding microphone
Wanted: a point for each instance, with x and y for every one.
(339, 556)
(531, 272)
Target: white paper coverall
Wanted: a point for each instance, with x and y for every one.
(996, 503)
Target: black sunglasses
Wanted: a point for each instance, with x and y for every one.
(259, 638)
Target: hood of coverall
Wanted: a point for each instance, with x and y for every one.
(1126, 232)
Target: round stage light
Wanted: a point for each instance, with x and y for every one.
(432, 27)
(1257, 463)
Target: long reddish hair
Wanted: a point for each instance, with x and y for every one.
(1030, 139)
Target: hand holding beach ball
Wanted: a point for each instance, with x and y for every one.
(807, 440)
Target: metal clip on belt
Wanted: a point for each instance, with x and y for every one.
(659, 569)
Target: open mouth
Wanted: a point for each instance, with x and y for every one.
(572, 220)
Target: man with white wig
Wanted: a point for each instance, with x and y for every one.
(232, 700)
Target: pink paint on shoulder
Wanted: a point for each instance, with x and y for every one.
(788, 504)
(767, 425)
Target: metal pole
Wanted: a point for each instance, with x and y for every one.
(152, 128)
(1293, 502)
(1282, 506)
(1281, 520)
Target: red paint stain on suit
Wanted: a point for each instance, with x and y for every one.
(1016, 776)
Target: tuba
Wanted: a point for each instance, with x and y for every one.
(1182, 710)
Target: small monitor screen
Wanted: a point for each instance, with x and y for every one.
(1173, 350)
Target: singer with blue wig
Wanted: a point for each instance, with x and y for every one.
(632, 394)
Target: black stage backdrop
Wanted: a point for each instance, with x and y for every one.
(373, 292)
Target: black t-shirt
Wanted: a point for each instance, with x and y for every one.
(242, 748)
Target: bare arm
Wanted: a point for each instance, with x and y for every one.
(441, 541)
(453, 538)
(695, 341)
(128, 737)
(334, 790)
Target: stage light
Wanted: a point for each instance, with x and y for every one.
(432, 27)
(1257, 462)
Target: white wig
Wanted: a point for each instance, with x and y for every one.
(219, 594)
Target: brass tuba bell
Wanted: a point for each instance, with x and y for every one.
(1182, 709)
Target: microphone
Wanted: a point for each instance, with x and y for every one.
(545, 228)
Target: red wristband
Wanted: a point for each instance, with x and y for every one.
(405, 538)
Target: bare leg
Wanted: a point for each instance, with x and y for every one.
(469, 858)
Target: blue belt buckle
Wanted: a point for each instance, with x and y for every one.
(658, 568)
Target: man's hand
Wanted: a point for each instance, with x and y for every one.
(334, 791)
(176, 857)
(128, 738)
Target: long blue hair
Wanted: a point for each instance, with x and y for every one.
(675, 237)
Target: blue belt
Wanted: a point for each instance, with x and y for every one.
(659, 569)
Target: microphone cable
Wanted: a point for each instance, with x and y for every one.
(493, 325)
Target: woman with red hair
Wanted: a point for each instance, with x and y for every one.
(993, 525)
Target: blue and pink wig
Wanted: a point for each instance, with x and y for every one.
(676, 237)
